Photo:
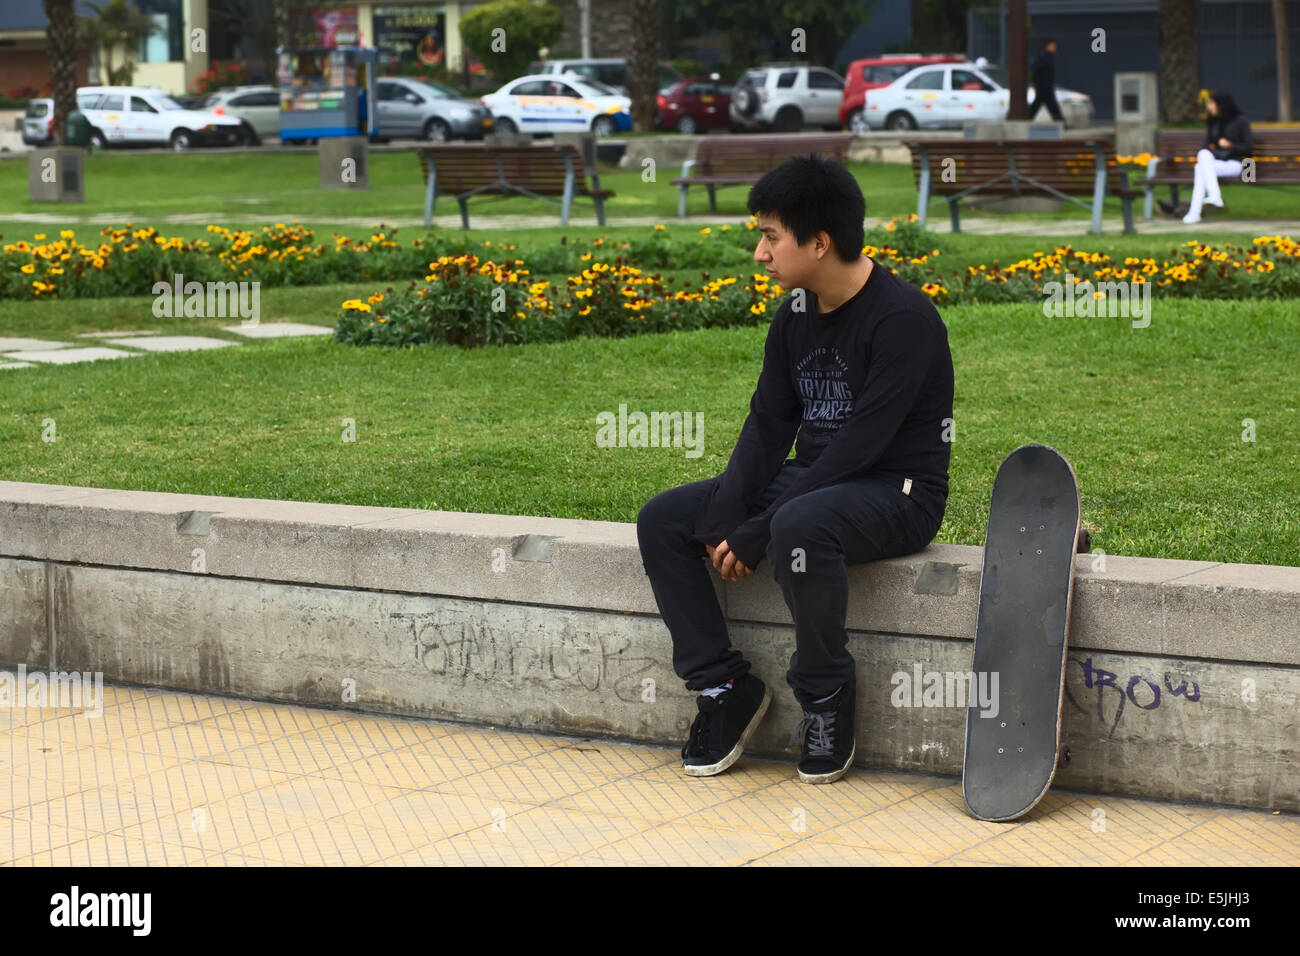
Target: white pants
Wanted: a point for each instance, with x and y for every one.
(1205, 185)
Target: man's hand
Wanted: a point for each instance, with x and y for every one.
(1224, 141)
(729, 566)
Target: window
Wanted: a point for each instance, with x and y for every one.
(786, 79)
(140, 106)
(37, 109)
(563, 89)
(928, 80)
(530, 88)
(111, 101)
(167, 42)
(966, 80)
(699, 89)
(883, 74)
(89, 101)
(824, 80)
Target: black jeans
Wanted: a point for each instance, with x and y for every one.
(1046, 98)
(834, 527)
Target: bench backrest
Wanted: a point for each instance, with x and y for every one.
(1276, 152)
(754, 155)
(539, 169)
(1067, 165)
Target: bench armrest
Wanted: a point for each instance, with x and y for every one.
(686, 168)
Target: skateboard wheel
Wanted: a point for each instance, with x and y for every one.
(1084, 542)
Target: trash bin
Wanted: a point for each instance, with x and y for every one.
(76, 129)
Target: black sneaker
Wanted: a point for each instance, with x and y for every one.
(826, 733)
(1169, 209)
(724, 725)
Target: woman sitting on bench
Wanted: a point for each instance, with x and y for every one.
(1228, 141)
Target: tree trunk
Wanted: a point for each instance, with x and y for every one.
(1180, 74)
(1283, 62)
(643, 64)
(61, 41)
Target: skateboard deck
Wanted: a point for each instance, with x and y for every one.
(1026, 593)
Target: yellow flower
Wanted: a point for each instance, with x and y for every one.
(584, 310)
(705, 231)
(661, 227)
(67, 233)
(29, 268)
(376, 298)
(356, 305)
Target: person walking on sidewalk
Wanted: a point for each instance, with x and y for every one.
(1043, 72)
(856, 361)
(1228, 142)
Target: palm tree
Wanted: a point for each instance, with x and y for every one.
(1180, 80)
(61, 41)
(643, 64)
(117, 22)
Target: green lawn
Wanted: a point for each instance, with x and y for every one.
(1151, 418)
(232, 187)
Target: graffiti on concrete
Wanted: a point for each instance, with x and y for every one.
(1137, 690)
(570, 656)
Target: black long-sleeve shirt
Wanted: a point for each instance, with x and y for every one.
(868, 386)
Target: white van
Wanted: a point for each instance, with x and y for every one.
(142, 115)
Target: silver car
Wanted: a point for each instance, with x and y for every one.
(786, 97)
(38, 123)
(256, 107)
(428, 111)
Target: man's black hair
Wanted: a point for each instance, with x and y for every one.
(812, 193)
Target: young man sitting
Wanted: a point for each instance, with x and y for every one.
(856, 362)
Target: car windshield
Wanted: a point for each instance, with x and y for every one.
(596, 86)
(435, 90)
(166, 103)
(36, 109)
(996, 74)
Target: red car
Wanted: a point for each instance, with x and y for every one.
(876, 72)
(694, 104)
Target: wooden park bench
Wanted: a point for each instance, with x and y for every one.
(466, 170)
(741, 160)
(1062, 168)
(1276, 154)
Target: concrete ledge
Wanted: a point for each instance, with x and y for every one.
(1183, 676)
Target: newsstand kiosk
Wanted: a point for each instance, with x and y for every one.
(327, 95)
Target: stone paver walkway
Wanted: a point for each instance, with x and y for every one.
(28, 353)
(167, 778)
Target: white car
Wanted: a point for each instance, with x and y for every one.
(568, 103)
(946, 95)
(130, 115)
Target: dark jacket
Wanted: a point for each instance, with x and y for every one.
(1043, 71)
(1231, 124)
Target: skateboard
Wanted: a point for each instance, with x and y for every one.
(1013, 750)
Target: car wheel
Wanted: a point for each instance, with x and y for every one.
(900, 121)
(505, 125)
(437, 131)
(182, 140)
(686, 124)
(788, 120)
(245, 136)
(602, 125)
(858, 121)
(97, 139)
(746, 100)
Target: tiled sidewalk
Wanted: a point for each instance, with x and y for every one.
(164, 778)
